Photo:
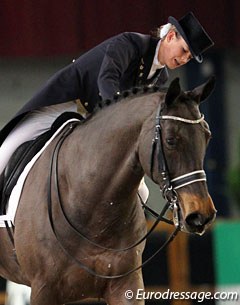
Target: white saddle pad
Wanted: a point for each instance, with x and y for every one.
(17, 190)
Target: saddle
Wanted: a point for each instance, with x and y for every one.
(23, 155)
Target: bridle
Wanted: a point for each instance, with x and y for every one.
(169, 186)
(168, 190)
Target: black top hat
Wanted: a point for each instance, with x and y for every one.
(193, 33)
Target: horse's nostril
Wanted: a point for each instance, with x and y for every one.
(196, 220)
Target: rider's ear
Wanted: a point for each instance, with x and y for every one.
(173, 92)
(201, 92)
(170, 35)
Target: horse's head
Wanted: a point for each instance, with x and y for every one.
(181, 139)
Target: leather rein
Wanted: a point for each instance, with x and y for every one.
(168, 190)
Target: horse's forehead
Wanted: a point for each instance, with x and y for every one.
(184, 108)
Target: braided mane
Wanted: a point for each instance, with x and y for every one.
(133, 92)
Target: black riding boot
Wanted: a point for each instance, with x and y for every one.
(2, 207)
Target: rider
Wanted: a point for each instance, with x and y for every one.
(117, 64)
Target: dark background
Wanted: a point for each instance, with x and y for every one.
(63, 27)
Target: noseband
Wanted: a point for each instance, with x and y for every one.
(169, 185)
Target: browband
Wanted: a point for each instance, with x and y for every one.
(176, 118)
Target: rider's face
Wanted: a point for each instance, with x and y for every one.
(174, 51)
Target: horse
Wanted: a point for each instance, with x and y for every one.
(87, 182)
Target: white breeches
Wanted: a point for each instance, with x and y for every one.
(30, 127)
(17, 294)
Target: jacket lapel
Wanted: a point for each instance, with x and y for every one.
(146, 62)
(153, 80)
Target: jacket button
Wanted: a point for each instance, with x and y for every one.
(86, 104)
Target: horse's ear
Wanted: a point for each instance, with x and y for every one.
(173, 91)
(200, 93)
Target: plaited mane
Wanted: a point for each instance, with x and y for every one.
(136, 91)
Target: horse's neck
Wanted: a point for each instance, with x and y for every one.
(105, 149)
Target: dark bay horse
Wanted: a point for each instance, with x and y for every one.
(99, 169)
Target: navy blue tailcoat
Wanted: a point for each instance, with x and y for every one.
(117, 64)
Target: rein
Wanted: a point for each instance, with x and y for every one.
(54, 172)
(168, 193)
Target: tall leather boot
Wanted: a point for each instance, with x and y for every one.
(2, 207)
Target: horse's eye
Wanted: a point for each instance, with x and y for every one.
(171, 141)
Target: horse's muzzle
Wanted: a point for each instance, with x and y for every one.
(197, 223)
(196, 214)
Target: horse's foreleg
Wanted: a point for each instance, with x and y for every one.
(125, 291)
